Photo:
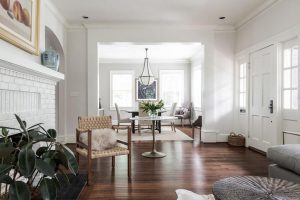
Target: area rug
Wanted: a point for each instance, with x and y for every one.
(146, 135)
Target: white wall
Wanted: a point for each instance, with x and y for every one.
(224, 88)
(104, 79)
(274, 26)
(83, 62)
(76, 79)
(280, 17)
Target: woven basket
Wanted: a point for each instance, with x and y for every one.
(237, 140)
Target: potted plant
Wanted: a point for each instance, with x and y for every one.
(152, 107)
(31, 163)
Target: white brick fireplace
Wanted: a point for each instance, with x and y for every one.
(29, 90)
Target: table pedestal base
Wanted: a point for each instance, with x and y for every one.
(154, 154)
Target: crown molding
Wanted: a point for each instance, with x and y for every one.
(139, 61)
(259, 11)
(151, 26)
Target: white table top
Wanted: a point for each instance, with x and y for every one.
(157, 118)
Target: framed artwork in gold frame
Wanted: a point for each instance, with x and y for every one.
(20, 22)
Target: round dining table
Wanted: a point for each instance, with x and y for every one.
(153, 153)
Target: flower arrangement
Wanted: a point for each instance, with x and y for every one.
(152, 107)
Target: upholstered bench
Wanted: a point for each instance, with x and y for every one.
(285, 162)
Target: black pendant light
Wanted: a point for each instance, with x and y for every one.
(146, 77)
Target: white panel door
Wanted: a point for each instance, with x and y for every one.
(263, 90)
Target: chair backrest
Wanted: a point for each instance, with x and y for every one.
(187, 105)
(118, 112)
(98, 122)
(141, 111)
(173, 109)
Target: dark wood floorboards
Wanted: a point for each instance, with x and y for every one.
(188, 165)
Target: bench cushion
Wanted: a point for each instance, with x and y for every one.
(286, 156)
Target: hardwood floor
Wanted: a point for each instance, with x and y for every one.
(188, 165)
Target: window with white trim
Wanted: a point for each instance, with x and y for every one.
(121, 88)
(171, 86)
(243, 87)
(290, 75)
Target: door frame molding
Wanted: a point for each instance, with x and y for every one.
(277, 41)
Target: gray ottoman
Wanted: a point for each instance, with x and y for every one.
(255, 188)
(286, 162)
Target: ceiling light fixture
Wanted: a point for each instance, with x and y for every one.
(222, 17)
(146, 76)
(85, 17)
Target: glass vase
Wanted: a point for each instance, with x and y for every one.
(153, 113)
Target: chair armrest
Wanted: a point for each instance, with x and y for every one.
(122, 142)
(81, 145)
(124, 127)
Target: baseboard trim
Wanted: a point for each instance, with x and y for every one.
(257, 150)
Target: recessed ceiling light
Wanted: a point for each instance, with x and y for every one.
(222, 17)
(85, 17)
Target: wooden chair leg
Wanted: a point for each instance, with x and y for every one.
(129, 166)
(77, 157)
(193, 132)
(113, 161)
(182, 122)
(89, 171)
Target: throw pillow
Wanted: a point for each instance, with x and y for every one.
(179, 112)
(101, 139)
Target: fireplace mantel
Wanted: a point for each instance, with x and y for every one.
(29, 67)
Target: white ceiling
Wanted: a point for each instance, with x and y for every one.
(180, 12)
(156, 52)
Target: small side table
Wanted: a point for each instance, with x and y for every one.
(153, 153)
(255, 187)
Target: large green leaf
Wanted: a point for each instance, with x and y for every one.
(60, 158)
(40, 151)
(26, 160)
(5, 169)
(19, 191)
(6, 179)
(72, 162)
(44, 139)
(34, 126)
(44, 167)
(22, 124)
(52, 133)
(51, 162)
(48, 189)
